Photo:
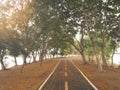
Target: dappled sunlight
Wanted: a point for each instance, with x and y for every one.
(116, 57)
(20, 60)
(8, 61)
(13, 12)
(3, 2)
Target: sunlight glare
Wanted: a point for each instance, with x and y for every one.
(78, 36)
(3, 2)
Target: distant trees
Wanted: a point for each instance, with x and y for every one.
(50, 26)
(96, 19)
(27, 28)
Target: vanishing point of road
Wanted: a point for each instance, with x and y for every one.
(66, 77)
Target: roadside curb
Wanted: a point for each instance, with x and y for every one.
(48, 76)
(95, 88)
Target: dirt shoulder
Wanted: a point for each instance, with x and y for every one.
(108, 80)
(31, 78)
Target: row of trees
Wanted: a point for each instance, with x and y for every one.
(97, 21)
(28, 27)
(51, 26)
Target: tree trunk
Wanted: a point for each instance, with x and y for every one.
(1, 59)
(112, 57)
(15, 60)
(24, 62)
(2, 63)
(30, 59)
(81, 44)
(81, 51)
(103, 49)
(89, 58)
(33, 54)
(103, 57)
(100, 68)
(41, 57)
(53, 55)
(83, 58)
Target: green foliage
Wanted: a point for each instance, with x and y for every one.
(53, 24)
(88, 47)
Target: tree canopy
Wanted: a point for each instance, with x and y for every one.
(51, 25)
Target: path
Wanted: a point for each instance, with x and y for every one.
(66, 77)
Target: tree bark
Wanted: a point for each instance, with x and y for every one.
(1, 59)
(100, 68)
(103, 57)
(33, 54)
(80, 51)
(103, 49)
(83, 57)
(24, 62)
(15, 60)
(41, 58)
(89, 58)
(2, 63)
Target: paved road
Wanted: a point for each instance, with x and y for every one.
(67, 77)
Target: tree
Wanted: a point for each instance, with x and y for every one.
(113, 47)
(15, 49)
(48, 25)
(3, 48)
(6, 30)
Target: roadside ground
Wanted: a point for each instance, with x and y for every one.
(34, 74)
(108, 80)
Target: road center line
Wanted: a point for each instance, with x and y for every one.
(66, 85)
(66, 74)
(65, 68)
(49, 76)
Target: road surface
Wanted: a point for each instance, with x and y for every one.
(66, 77)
